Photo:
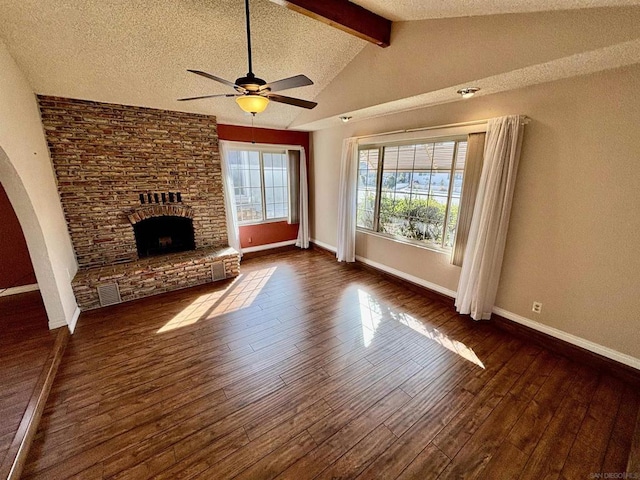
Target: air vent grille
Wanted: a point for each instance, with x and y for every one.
(109, 294)
(218, 272)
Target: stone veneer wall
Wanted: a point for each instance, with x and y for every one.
(106, 155)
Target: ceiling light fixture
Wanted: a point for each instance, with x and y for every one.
(468, 92)
(252, 103)
(345, 119)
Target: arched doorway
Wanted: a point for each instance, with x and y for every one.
(16, 269)
(55, 290)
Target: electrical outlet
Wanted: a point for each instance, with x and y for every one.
(537, 307)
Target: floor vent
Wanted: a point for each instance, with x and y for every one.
(218, 272)
(109, 294)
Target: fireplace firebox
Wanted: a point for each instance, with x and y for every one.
(164, 234)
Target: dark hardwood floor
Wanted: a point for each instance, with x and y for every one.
(25, 344)
(306, 368)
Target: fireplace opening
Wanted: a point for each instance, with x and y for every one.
(161, 235)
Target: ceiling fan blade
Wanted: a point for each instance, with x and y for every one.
(207, 96)
(286, 83)
(296, 102)
(217, 79)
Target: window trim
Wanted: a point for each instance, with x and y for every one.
(263, 148)
(411, 139)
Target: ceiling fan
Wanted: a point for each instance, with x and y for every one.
(253, 93)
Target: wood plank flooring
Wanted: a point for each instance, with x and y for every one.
(305, 368)
(25, 344)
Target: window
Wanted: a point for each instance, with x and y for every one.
(260, 181)
(412, 191)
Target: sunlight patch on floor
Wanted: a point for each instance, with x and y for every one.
(372, 312)
(434, 334)
(370, 316)
(239, 294)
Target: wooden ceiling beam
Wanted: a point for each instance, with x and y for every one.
(346, 16)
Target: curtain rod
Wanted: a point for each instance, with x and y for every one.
(471, 123)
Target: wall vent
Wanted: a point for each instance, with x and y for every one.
(218, 272)
(109, 294)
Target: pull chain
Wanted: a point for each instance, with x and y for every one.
(253, 130)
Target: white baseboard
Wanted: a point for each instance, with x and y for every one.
(326, 246)
(268, 246)
(21, 289)
(393, 271)
(61, 322)
(410, 278)
(57, 323)
(569, 338)
(74, 320)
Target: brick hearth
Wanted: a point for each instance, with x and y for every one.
(154, 275)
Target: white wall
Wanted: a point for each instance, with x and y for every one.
(573, 237)
(27, 176)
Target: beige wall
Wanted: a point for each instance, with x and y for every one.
(429, 55)
(573, 237)
(27, 176)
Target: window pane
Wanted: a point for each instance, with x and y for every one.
(253, 158)
(457, 184)
(452, 222)
(443, 155)
(440, 182)
(366, 193)
(419, 192)
(245, 172)
(276, 186)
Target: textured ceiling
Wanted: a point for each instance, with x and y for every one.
(136, 52)
(402, 10)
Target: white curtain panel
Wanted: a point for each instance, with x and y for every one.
(233, 232)
(488, 232)
(346, 244)
(303, 209)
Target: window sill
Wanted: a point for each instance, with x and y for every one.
(261, 222)
(392, 238)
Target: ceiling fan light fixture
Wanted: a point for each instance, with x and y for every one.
(252, 103)
(468, 92)
(255, 93)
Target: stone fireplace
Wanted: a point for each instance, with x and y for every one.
(142, 194)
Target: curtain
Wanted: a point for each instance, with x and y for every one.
(471, 179)
(294, 186)
(303, 205)
(233, 233)
(346, 244)
(488, 232)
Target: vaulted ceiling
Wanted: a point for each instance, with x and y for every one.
(138, 52)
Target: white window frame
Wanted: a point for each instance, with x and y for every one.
(412, 138)
(262, 148)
